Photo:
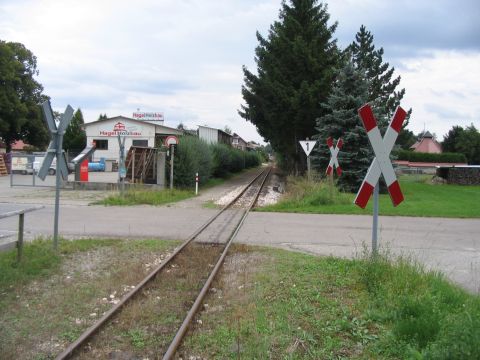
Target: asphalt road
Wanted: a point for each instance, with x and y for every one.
(451, 246)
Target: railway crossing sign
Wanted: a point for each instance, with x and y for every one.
(55, 148)
(307, 146)
(334, 158)
(381, 164)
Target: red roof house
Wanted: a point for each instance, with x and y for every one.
(427, 144)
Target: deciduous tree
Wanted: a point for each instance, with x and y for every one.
(20, 95)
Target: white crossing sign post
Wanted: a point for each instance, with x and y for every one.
(122, 171)
(307, 146)
(381, 164)
(170, 142)
(334, 156)
(55, 150)
(333, 162)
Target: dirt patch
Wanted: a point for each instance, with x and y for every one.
(46, 315)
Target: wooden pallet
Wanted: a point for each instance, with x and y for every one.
(140, 164)
(3, 167)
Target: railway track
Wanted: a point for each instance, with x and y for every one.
(174, 288)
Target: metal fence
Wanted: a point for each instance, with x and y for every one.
(24, 170)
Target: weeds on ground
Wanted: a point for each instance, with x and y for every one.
(304, 192)
(429, 318)
(303, 307)
(39, 259)
(147, 197)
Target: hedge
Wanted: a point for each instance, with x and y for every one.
(427, 157)
(194, 155)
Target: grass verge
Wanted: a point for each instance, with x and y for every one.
(421, 199)
(146, 197)
(267, 304)
(295, 306)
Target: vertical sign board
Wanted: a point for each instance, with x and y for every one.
(381, 164)
(307, 146)
(55, 150)
(170, 142)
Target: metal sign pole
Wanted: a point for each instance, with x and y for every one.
(55, 150)
(308, 167)
(375, 219)
(57, 191)
(121, 166)
(172, 152)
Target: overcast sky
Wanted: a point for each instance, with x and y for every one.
(184, 58)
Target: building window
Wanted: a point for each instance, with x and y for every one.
(101, 144)
(143, 143)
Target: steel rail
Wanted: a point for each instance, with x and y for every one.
(196, 305)
(94, 328)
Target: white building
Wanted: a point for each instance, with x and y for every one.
(137, 133)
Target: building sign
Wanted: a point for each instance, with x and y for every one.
(120, 129)
(151, 116)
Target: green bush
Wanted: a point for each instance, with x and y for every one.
(221, 160)
(192, 155)
(427, 157)
(218, 160)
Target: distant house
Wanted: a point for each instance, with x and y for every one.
(214, 136)
(252, 145)
(238, 142)
(427, 144)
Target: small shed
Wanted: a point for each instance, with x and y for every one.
(214, 136)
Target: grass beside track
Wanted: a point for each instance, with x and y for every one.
(266, 304)
(421, 199)
(146, 197)
(296, 306)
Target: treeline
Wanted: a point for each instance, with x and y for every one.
(193, 155)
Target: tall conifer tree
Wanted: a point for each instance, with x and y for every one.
(349, 93)
(382, 93)
(295, 66)
(75, 138)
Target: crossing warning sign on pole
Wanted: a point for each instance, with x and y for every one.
(334, 156)
(381, 164)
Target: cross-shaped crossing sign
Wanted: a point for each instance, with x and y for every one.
(334, 158)
(307, 145)
(381, 163)
(56, 144)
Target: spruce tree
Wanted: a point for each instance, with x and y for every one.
(295, 65)
(349, 93)
(381, 91)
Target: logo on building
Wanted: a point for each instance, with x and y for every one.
(119, 126)
(120, 129)
(151, 116)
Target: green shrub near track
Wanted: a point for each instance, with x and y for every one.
(194, 155)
